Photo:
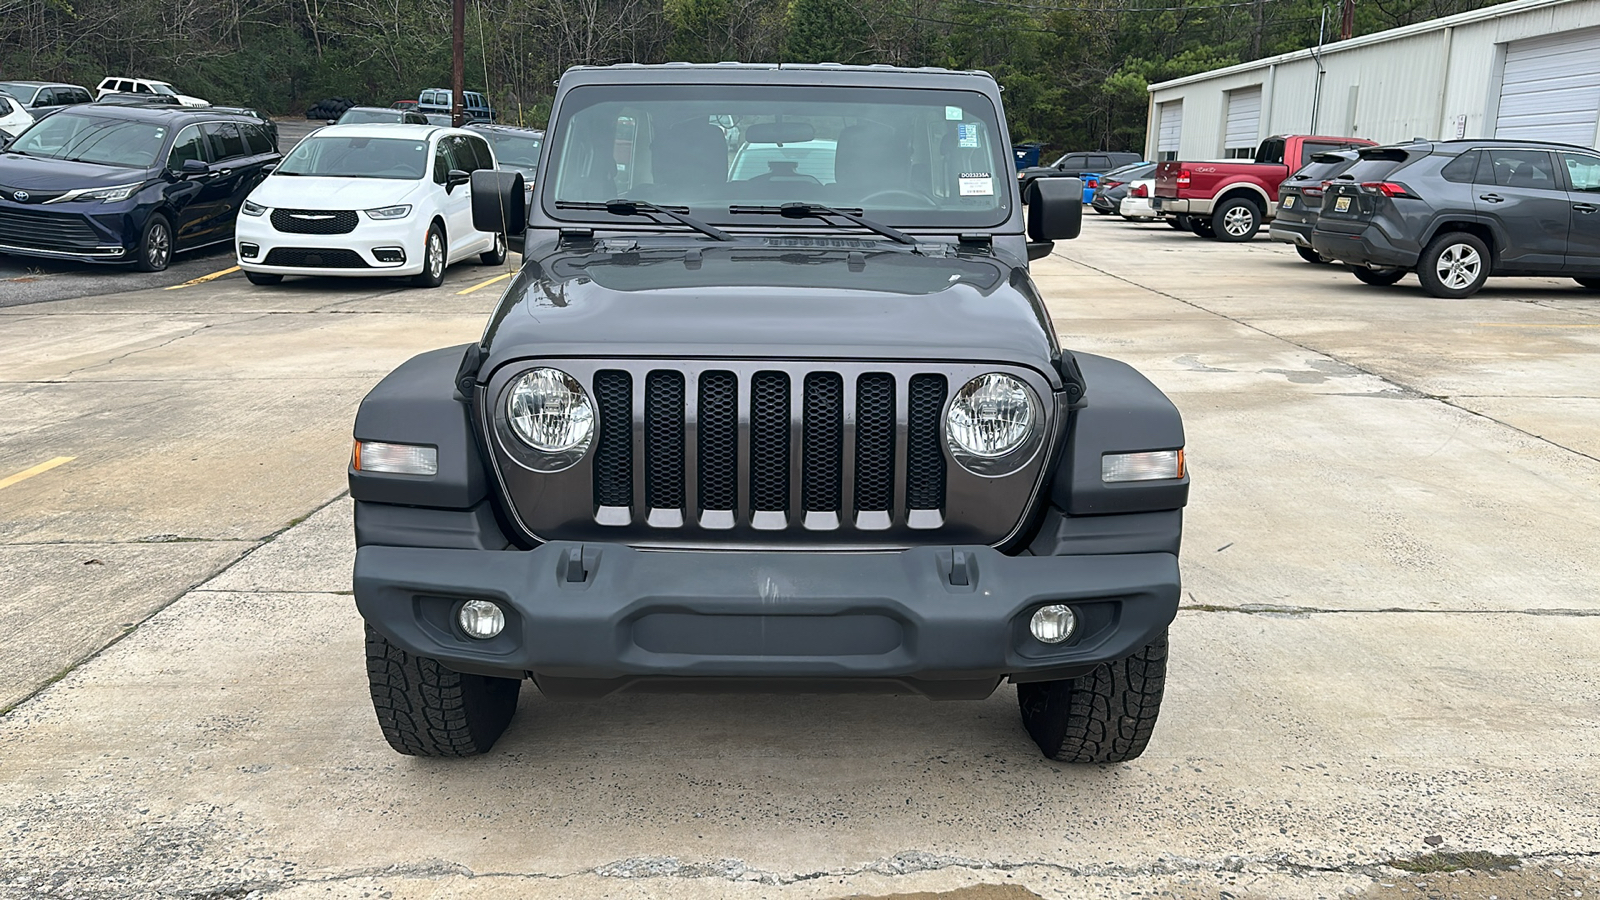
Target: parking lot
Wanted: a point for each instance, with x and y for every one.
(1387, 646)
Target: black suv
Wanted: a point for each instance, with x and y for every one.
(779, 431)
(1300, 201)
(1457, 212)
(129, 184)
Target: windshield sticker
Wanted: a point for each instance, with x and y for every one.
(976, 184)
(967, 133)
(952, 113)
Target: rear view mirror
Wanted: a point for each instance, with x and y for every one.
(1055, 209)
(780, 133)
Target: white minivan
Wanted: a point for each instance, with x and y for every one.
(368, 200)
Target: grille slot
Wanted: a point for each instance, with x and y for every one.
(314, 221)
(717, 440)
(663, 444)
(925, 466)
(822, 442)
(39, 230)
(769, 442)
(875, 442)
(314, 258)
(613, 452)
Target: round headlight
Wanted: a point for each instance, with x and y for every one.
(548, 410)
(992, 416)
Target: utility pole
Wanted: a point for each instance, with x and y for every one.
(458, 64)
(1347, 19)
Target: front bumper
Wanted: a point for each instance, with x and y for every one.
(83, 231)
(588, 619)
(406, 234)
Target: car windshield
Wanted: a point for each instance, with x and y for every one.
(161, 87)
(339, 156)
(23, 93)
(512, 149)
(901, 156)
(368, 116)
(94, 139)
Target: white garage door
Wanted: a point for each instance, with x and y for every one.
(1244, 122)
(1171, 130)
(1550, 90)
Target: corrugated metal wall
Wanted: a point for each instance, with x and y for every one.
(1436, 80)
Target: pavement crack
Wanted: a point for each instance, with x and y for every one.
(168, 342)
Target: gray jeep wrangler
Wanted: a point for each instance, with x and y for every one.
(773, 404)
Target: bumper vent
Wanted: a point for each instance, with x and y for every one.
(314, 258)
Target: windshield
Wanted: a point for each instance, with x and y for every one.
(161, 87)
(368, 116)
(901, 156)
(94, 139)
(335, 156)
(519, 150)
(23, 93)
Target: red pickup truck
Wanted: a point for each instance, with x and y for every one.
(1230, 200)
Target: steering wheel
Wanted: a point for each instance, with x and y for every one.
(922, 200)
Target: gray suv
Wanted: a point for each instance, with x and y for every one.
(1457, 212)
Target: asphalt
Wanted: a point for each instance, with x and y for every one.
(1383, 670)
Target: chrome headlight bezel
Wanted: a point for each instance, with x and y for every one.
(252, 208)
(389, 213)
(1009, 458)
(523, 401)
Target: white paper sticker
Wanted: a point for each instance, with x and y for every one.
(976, 184)
(952, 113)
(967, 135)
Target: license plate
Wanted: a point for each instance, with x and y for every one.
(1341, 205)
(1288, 203)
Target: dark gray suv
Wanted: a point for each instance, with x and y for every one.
(1457, 212)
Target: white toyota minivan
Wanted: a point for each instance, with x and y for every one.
(368, 200)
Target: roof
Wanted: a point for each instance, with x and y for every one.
(386, 130)
(771, 73)
(1466, 143)
(1378, 37)
(35, 83)
(514, 129)
(154, 112)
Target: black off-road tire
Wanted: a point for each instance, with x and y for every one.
(1453, 265)
(155, 245)
(1378, 277)
(1202, 227)
(1180, 222)
(426, 709)
(1236, 221)
(497, 256)
(263, 278)
(1106, 716)
(1592, 284)
(1311, 256)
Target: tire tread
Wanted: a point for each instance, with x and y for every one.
(425, 709)
(1106, 716)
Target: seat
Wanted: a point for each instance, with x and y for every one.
(689, 156)
(869, 158)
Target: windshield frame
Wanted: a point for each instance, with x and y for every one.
(978, 105)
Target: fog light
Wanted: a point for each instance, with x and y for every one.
(389, 255)
(1053, 624)
(483, 620)
(248, 251)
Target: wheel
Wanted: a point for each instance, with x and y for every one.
(1181, 223)
(263, 278)
(433, 260)
(1380, 277)
(1103, 212)
(497, 256)
(1202, 227)
(1592, 284)
(1311, 256)
(1103, 717)
(155, 245)
(1236, 220)
(1453, 265)
(426, 709)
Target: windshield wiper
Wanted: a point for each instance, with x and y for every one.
(818, 211)
(641, 208)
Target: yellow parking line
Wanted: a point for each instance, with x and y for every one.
(1535, 325)
(483, 284)
(41, 468)
(204, 278)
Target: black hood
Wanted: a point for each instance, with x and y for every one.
(34, 173)
(784, 298)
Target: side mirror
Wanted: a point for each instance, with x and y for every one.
(269, 168)
(1055, 209)
(41, 103)
(499, 202)
(455, 179)
(194, 168)
(333, 121)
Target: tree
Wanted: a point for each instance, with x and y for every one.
(826, 31)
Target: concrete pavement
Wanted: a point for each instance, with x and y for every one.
(1387, 647)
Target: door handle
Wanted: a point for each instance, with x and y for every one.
(1585, 207)
(1492, 198)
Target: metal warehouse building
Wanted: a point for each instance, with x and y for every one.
(1529, 69)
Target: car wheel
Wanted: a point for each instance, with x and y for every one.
(1202, 227)
(1454, 265)
(433, 260)
(497, 256)
(1103, 717)
(1180, 222)
(1592, 284)
(1380, 277)
(1103, 212)
(425, 709)
(155, 245)
(263, 278)
(1312, 256)
(1236, 221)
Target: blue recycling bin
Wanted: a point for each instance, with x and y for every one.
(1027, 155)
